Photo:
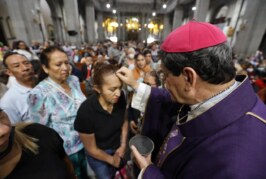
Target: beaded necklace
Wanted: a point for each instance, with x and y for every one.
(200, 104)
(173, 134)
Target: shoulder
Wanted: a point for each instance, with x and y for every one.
(88, 108)
(41, 88)
(73, 79)
(6, 97)
(36, 97)
(11, 97)
(36, 128)
(90, 102)
(40, 131)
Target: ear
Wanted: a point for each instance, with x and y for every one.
(45, 69)
(190, 77)
(8, 72)
(97, 89)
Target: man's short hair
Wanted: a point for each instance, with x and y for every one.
(201, 46)
(213, 64)
(9, 53)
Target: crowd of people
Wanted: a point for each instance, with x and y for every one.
(76, 108)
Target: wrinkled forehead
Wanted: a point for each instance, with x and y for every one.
(16, 57)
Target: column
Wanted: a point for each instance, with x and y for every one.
(251, 28)
(178, 15)
(202, 6)
(166, 26)
(100, 29)
(25, 23)
(142, 32)
(146, 28)
(119, 28)
(59, 26)
(72, 21)
(90, 21)
(235, 20)
(124, 26)
(58, 34)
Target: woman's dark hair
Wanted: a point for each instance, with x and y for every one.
(100, 71)
(154, 74)
(37, 66)
(146, 52)
(136, 56)
(16, 45)
(46, 53)
(212, 64)
(45, 58)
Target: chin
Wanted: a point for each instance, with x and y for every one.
(114, 101)
(64, 78)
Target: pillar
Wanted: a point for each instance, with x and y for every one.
(178, 16)
(142, 32)
(166, 26)
(202, 6)
(90, 21)
(100, 29)
(72, 21)
(251, 28)
(123, 18)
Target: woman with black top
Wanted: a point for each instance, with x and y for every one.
(101, 122)
(31, 150)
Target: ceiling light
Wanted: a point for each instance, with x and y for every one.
(114, 11)
(108, 5)
(164, 6)
(194, 8)
(154, 14)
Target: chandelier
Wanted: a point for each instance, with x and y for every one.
(110, 25)
(155, 27)
(132, 24)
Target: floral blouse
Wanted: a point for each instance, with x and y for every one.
(51, 106)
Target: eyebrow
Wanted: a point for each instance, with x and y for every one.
(16, 63)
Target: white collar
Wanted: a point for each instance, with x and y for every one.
(200, 108)
(20, 88)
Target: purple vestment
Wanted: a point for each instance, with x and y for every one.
(226, 141)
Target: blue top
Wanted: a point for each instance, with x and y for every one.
(51, 106)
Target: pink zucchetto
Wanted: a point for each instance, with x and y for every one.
(193, 36)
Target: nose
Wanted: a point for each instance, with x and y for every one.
(118, 92)
(65, 66)
(26, 67)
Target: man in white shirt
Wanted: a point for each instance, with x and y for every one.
(14, 102)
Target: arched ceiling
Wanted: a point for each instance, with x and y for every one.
(139, 6)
